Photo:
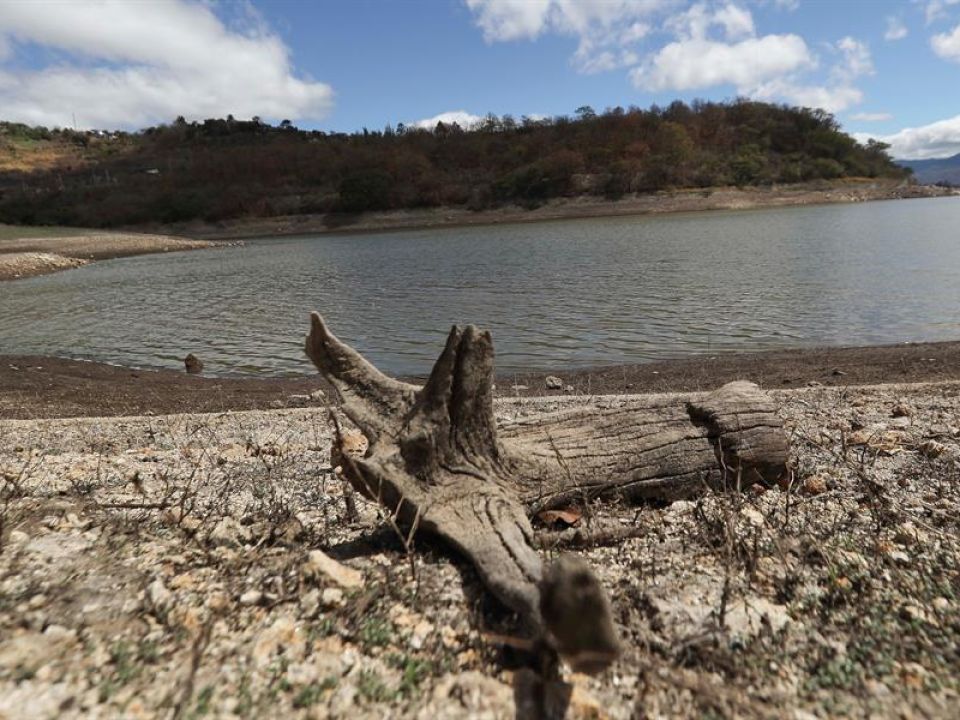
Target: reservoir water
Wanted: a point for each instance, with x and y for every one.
(555, 294)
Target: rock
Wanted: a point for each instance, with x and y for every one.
(746, 618)
(193, 364)
(158, 598)
(899, 557)
(814, 485)
(283, 635)
(310, 602)
(298, 400)
(553, 382)
(251, 597)
(29, 651)
(331, 597)
(932, 448)
(318, 396)
(472, 694)
(228, 533)
(319, 564)
(906, 534)
(569, 388)
(901, 410)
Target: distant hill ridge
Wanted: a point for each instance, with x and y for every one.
(937, 170)
(223, 169)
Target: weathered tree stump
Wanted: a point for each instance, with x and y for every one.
(438, 460)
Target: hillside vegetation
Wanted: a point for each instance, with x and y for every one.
(224, 169)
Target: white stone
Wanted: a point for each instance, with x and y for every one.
(251, 597)
(320, 564)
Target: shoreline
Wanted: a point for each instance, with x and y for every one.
(24, 257)
(47, 387)
(576, 208)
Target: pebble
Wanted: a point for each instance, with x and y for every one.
(251, 597)
(814, 485)
(158, 597)
(331, 597)
(320, 564)
(228, 533)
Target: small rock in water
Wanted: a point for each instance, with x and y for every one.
(553, 382)
(193, 364)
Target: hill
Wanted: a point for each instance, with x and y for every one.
(937, 170)
(222, 169)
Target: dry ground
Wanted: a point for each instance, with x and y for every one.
(161, 567)
(846, 190)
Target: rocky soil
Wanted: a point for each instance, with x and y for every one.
(190, 566)
(28, 264)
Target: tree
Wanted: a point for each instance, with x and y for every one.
(585, 112)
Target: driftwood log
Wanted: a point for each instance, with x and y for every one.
(439, 461)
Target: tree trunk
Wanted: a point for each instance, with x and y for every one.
(438, 460)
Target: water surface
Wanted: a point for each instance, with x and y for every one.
(556, 294)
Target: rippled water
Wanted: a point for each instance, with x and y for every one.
(556, 295)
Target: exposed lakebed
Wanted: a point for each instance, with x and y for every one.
(555, 294)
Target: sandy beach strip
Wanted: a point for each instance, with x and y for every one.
(30, 256)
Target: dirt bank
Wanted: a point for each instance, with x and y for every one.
(724, 198)
(29, 256)
(52, 387)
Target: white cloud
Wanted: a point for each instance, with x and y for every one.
(460, 117)
(715, 43)
(695, 64)
(132, 64)
(856, 60)
(502, 20)
(838, 93)
(696, 22)
(937, 9)
(833, 99)
(896, 30)
(871, 117)
(605, 29)
(939, 139)
(947, 45)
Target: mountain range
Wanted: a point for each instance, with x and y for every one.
(937, 170)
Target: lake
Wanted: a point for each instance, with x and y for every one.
(556, 295)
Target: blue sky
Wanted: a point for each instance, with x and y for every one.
(886, 68)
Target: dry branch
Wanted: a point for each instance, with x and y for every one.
(436, 454)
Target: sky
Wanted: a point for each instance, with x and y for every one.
(888, 69)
